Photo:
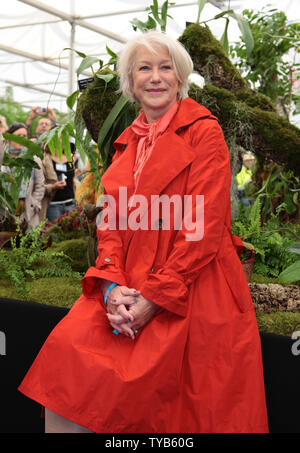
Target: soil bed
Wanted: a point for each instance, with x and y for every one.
(275, 297)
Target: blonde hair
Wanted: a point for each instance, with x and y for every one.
(181, 60)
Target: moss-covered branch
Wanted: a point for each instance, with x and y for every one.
(248, 116)
(262, 131)
(210, 59)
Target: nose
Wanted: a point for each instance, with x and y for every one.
(155, 75)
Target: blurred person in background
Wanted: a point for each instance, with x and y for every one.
(31, 189)
(59, 185)
(45, 123)
(244, 177)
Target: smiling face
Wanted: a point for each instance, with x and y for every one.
(154, 81)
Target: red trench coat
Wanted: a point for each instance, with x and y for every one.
(196, 366)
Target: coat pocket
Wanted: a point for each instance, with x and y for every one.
(236, 280)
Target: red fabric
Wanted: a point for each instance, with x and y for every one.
(197, 366)
(147, 134)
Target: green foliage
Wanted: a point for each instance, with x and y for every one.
(292, 273)
(10, 109)
(201, 4)
(29, 259)
(21, 167)
(267, 67)
(105, 120)
(270, 239)
(241, 21)
(157, 16)
(76, 250)
(280, 323)
(280, 194)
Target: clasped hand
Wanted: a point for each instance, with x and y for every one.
(128, 311)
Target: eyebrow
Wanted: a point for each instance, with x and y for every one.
(149, 62)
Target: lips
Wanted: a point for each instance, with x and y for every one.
(155, 90)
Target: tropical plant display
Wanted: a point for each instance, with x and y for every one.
(271, 239)
(266, 67)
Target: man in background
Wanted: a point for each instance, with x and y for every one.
(45, 123)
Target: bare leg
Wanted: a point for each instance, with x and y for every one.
(54, 423)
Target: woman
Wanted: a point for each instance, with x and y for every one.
(59, 186)
(164, 337)
(32, 189)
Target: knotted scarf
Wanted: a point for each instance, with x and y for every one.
(147, 134)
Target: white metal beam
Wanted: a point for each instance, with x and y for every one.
(30, 24)
(82, 23)
(217, 3)
(133, 10)
(33, 87)
(34, 57)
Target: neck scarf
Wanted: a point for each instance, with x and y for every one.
(147, 134)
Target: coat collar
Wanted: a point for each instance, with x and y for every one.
(170, 155)
(188, 112)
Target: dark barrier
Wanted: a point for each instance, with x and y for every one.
(281, 360)
(24, 326)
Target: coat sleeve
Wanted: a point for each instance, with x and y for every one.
(210, 177)
(109, 263)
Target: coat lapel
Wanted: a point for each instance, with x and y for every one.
(169, 157)
(119, 173)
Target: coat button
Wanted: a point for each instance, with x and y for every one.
(159, 224)
(107, 259)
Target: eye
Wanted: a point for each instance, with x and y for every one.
(144, 68)
(166, 67)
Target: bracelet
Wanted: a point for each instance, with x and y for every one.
(111, 286)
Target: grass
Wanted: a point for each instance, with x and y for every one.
(57, 291)
(281, 323)
(64, 291)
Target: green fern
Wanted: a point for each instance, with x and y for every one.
(28, 260)
(270, 239)
(255, 216)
